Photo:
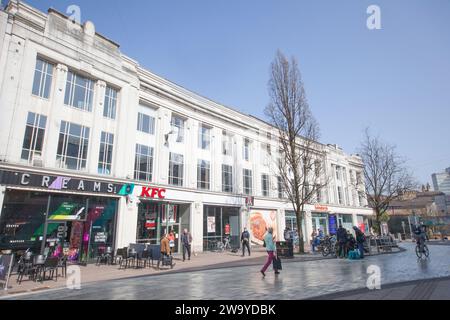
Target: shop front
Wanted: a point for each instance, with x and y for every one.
(52, 220)
(291, 223)
(346, 221)
(363, 223)
(156, 218)
(320, 222)
(218, 223)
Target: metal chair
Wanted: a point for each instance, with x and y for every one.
(38, 265)
(50, 266)
(62, 263)
(25, 266)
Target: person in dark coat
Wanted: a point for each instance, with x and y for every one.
(289, 237)
(360, 239)
(186, 240)
(245, 240)
(341, 236)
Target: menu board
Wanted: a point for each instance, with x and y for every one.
(100, 237)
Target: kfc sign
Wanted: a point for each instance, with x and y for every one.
(149, 192)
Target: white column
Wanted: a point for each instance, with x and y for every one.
(55, 115)
(308, 227)
(11, 117)
(161, 150)
(95, 134)
(197, 216)
(125, 137)
(216, 163)
(237, 165)
(126, 224)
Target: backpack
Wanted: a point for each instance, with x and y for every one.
(354, 255)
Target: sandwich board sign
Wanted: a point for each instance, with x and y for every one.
(6, 263)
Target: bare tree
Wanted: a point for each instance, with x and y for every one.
(385, 173)
(301, 163)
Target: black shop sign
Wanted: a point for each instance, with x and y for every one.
(51, 182)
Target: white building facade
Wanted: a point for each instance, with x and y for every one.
(96, 151)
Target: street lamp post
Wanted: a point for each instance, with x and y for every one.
(404, 231)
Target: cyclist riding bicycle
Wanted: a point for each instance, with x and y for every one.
(421, 236)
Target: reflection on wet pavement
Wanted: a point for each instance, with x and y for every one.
(298, 280)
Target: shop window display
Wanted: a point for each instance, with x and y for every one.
(79, 227)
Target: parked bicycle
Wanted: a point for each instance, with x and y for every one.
(223, 245)
(329, 246)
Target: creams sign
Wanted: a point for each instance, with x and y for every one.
(27, 179)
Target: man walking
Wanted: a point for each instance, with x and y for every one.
(186, 240)
(245, 240)
(289, 237)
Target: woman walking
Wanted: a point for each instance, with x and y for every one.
(270, 247)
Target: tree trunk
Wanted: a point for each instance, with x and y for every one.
(301, 242)
(378, 221)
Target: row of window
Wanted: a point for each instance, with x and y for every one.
(79, 89)
(74, 138)
(73, 144)
(79, 94)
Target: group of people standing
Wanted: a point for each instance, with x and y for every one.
(345, 241)
(168, 245)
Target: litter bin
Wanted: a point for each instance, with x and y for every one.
(282, 249)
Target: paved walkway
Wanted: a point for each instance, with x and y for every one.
(298, 280)
(430, 289)
(203, 261)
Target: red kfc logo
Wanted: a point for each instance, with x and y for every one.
(149, 192)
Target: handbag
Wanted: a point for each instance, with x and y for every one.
(277, 264)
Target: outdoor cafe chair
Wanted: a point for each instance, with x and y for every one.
(50, 266)
(38, 265)
(128, 258)
(25, 267)
(62, 264)
(106, 256)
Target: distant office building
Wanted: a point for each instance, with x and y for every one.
(441, 181)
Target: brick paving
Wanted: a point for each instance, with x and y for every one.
(430, 289)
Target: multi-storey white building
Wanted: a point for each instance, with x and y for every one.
(112, 154)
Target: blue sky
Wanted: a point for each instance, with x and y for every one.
(395, 80)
